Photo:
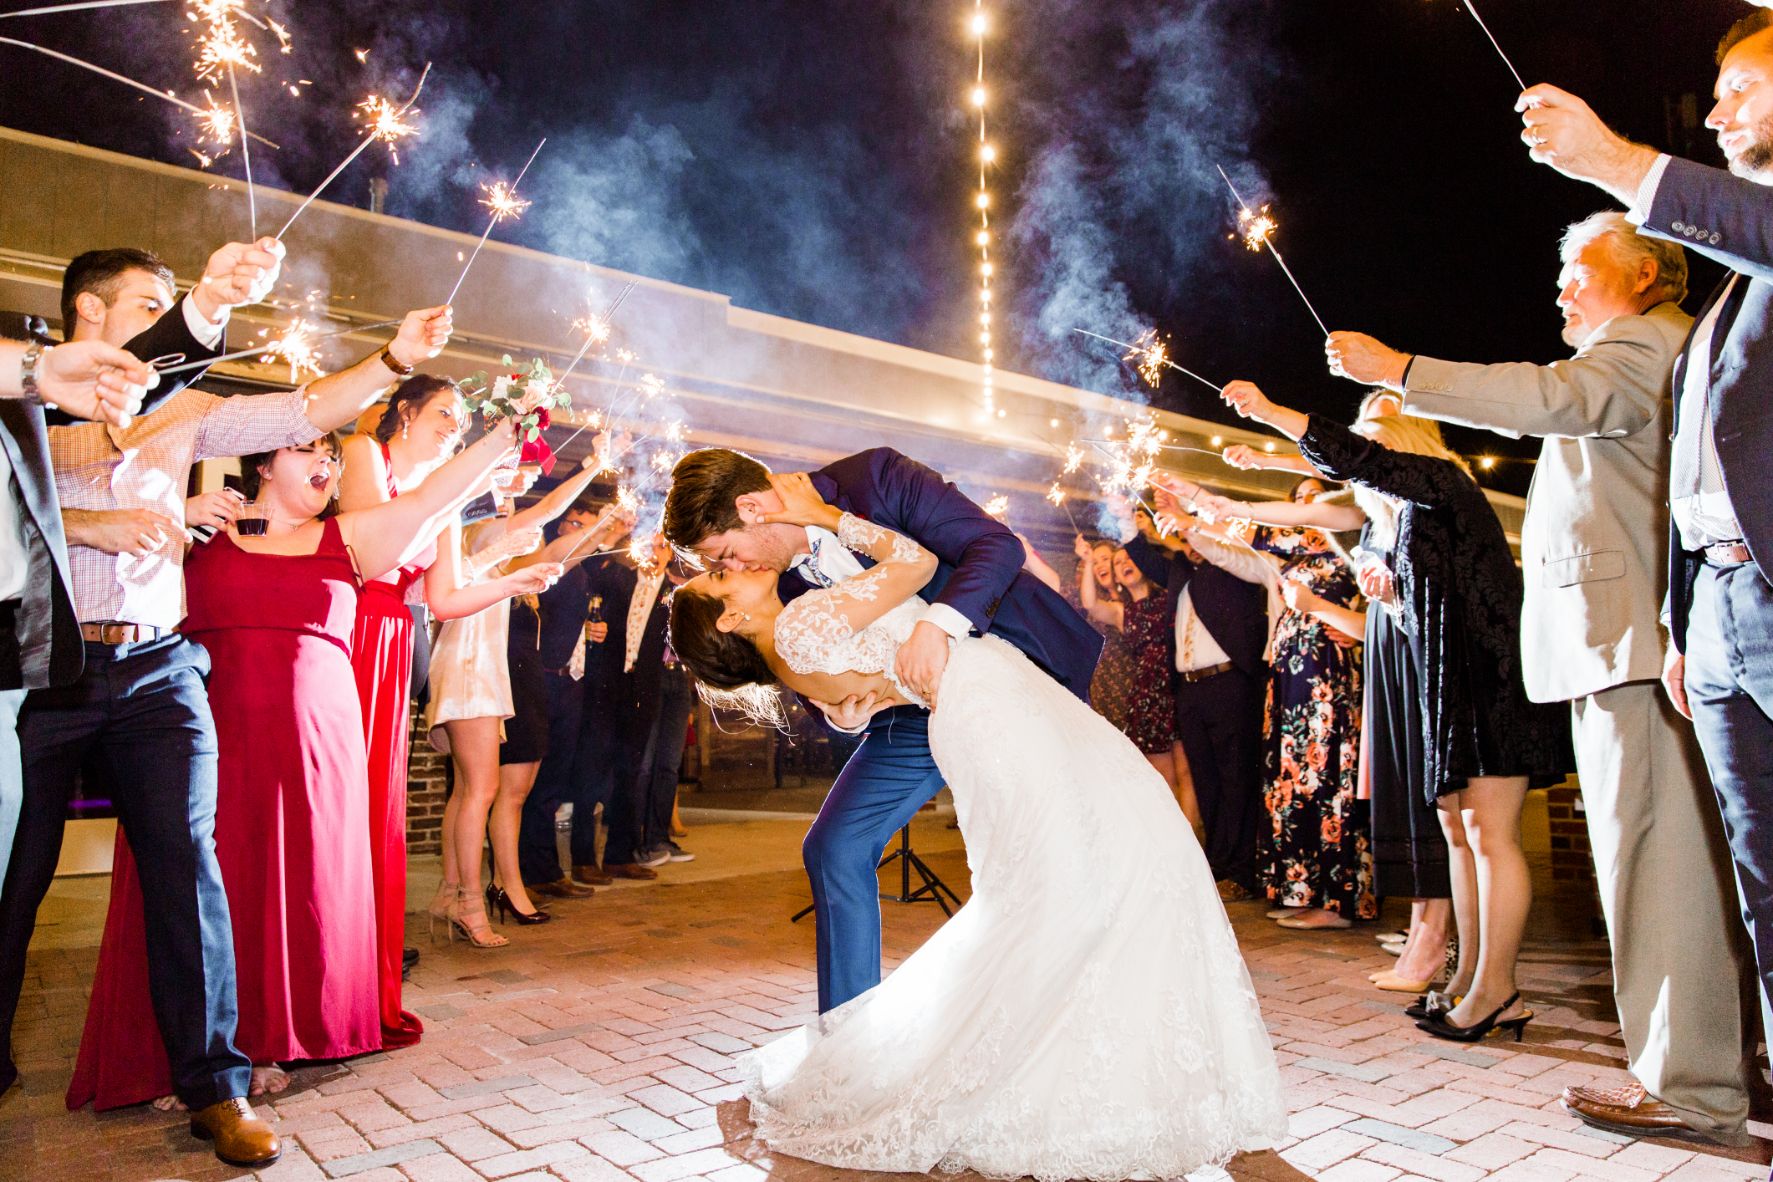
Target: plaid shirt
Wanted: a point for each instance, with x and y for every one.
(147, 465)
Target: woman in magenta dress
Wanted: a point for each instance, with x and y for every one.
(276, 615)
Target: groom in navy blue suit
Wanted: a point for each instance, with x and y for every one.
(715, 508)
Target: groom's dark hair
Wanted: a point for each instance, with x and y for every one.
(705, 488)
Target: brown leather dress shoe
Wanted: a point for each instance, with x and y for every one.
(631, 870)
(1631, 1110)
(593, 875)
(561, 888)
(241, 1138)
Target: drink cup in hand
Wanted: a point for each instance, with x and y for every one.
(252, 522)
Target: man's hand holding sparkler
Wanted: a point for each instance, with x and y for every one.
(422, 336)
(1563, 131)
(239, 274)
(92, 380)
(1364, 359)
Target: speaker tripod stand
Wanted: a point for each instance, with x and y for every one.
(932, 890)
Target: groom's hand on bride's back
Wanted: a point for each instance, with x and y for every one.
(921, 660)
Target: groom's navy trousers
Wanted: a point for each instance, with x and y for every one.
(880, 789)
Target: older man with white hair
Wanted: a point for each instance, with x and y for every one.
(1594, 548)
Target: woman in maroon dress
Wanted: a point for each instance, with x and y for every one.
(1145, 618)
(275, 614)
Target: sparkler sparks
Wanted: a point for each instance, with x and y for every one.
(386, 124)
(1256, 228)
(998, 507)
(298, 348)
(502, 199)
(1153, 356)
(1074, 458)
(217, 124)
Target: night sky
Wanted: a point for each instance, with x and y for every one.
(814, 158)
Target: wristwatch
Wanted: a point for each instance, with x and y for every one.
(28, 363)
(393, 363)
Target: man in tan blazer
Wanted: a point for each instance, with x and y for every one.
(1594, 552)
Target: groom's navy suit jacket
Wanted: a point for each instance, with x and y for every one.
(979, 573)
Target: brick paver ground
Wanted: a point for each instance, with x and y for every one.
(600, 1048)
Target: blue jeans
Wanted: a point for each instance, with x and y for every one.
(1729, 675)
(880, 789)
(140, 716)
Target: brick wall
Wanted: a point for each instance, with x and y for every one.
(1571, 859)
(424, 793)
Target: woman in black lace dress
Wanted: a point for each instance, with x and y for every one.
(1459, 593)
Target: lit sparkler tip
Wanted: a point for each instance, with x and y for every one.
(1056, 495)
(595, 327)
(217, 124)
(1074, 458)
(998, 506)
(503, 201)
(298, 348)
(1150, 354)
(1256, 228)
(387, 122)
(628, 499)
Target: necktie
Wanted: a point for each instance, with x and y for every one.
(815, 574)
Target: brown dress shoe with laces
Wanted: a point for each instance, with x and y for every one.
(1631, 1110)
(241, 1138)
(591, 875)
(561, 888)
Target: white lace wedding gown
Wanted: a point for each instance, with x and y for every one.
(1087, 1014)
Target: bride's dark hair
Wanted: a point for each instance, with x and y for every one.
(729, 670)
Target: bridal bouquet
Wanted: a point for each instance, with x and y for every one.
(524, 394)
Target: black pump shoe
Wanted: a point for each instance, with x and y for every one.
(1438, 1025)
(498, 900)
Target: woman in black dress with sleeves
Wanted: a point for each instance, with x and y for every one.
(1459, 593)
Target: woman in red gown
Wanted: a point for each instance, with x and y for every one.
(393, 452)
(276, 614)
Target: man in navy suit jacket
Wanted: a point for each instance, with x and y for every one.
(1720, 603)
(714, 508)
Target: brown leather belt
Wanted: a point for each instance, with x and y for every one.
(1193, 675)
(1727, 554)
(113, 633)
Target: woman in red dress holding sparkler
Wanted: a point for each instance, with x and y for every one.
(275, 611)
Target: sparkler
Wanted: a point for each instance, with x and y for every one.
(51, 8)
(1258, 231)
(222, 51)
(178, 364)
(596, 329)
(503, 201)
(998, 507)
(1152, 357)
(386, 123)
(162, 95)
(1494, 44)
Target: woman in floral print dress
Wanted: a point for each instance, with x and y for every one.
(1314, 858)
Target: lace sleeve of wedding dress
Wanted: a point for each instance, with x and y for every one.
(827, 631)
(484, 558)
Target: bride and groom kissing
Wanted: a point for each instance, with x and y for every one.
(1087, 1013)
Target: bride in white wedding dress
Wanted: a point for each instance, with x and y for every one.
(1086, 1015)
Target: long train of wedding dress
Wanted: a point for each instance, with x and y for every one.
(1086, 1015)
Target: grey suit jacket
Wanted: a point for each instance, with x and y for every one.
(1594, 547)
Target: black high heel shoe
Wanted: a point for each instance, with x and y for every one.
(498, 900)
(1438, 1025)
